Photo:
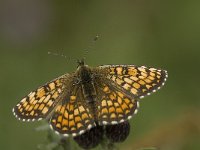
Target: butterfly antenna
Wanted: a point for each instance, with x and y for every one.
(59, 55)
(90, 46)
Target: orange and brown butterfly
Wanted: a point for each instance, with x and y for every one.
(104, 95)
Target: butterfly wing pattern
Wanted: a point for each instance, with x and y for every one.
(72, 116)
(123, 86)
(67, 105)
(39, 103)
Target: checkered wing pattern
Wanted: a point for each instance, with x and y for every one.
(72, 117)
(39, 103)
(134, 81)
(115, 106)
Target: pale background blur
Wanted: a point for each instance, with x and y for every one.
(163, 34)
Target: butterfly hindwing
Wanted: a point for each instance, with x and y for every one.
(39, 103)
(114, 106)
(72, 117)
(136, 81)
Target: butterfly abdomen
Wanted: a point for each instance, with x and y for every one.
(88, 88)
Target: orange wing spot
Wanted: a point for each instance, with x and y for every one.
(70, 107)
(119, 70)
(65, 129)
(131, 105)
(36, 106)
(65, 122)
(30, 108)
(32, 100)
(144, 90)
(32, 112)
(158, 76)
(62, 110)
(47, 98)
(134, 78)
(148, 86)
(104, 111)
(144, 74)
(40, 92)
(120, 94)
(53, 120)
(111, 109)
(21, 109)
(44, 111)
(31, 95)
(124, 106)
(116, 104)
(109, 103)
(55, 95)
(50, 102)
(76, 113)
(41, 99)
(52, 86)
(81, 109)
(136, 85)
(128, 80)
(119, 110)
(142, 69)
(141, 82)
(119, 81)
(134, 91)
(151, 78)
(79, 125)
(71, 116)
(113, 78)
(77, 119)
(112, 70)
(59, 118)
(66, 115)
(126, 86)
(152, 74)
(132, 72)
(127, 111)
(58, 125)
(84, 116)
(73, 128)
(106, 89)
(147, 80)
(113, 115)
(127, 100)
(72, 98)
(41, 106)
(119, 100)
(112, 97)
(103, 103)
(25, 104)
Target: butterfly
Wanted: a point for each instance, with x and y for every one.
(104, 95)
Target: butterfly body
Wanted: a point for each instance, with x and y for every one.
(104, 95)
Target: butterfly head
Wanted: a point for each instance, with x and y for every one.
(80, 62)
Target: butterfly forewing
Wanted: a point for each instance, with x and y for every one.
(39, 103)
(135, 81)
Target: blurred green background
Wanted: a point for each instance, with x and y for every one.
(163, 34)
